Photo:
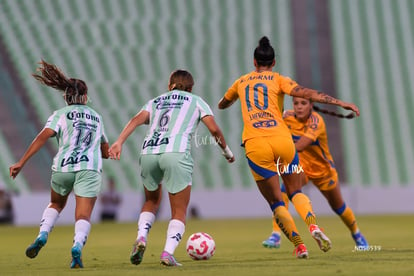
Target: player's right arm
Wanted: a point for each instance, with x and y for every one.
(140, 118)
(230, 97)
(34, 147)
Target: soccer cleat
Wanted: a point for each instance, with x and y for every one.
(76, 256)
(322, 240)
(273, 241)
(168, 260)
(301, 252)
(35, 247)
(360, 241)
(138, 250)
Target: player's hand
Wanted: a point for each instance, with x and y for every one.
(228, 154)
(15, 169)
(230, 160)
(115, 151)
(351, 106)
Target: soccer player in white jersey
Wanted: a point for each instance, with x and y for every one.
(77, 165)
(165, 156)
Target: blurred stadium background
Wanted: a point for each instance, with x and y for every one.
(359, 51)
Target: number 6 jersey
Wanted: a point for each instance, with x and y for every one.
(174, 116)
(79, 132)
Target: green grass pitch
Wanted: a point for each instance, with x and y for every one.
(238, 249)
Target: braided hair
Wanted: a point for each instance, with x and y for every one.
(74, 90)
(333, 113)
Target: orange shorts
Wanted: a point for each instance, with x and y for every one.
(327, 182)
(271, 155)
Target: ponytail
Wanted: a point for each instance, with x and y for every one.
(74, 90)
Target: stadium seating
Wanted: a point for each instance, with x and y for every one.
(374, 56)
(125, 51)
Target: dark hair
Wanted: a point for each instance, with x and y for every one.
(74, 90)
(264, 52)
(181, 80)
(333, 113)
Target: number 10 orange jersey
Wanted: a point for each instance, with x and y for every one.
(261, 97)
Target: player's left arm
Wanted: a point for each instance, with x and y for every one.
(218, 136)
(34, 147)
(104, 150)
(316, 96)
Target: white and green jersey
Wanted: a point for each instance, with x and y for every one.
(79, 132)
(174, 116)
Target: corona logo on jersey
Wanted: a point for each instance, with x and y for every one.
(73, 115)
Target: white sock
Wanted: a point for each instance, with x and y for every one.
(49, 217)
(175, 233)
(146, 219)
(82, 229)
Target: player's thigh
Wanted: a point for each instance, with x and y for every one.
(330, 188)
(151, 172)
(88, 183)
(62, 182)
(328, 182)
(284, 153)
(178, 171)
(260, 158)
(268, 156)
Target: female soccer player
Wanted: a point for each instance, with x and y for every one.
(165, 156)
(270, 150)
(311, 141)
(77, 165)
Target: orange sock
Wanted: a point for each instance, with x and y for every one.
(285, 199)
(303, 206)
(276, 228)
(285, 221)
(348, 217)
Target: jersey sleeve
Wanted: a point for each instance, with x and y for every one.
(286, 84)
(204, 108)
(147, 107)
(231, 94)
(53, 122)
(104, 138)
(315, 128)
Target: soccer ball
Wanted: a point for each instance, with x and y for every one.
(200, 246)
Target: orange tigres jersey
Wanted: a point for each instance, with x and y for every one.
(261, 98)
(316, 159)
